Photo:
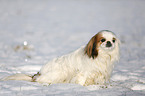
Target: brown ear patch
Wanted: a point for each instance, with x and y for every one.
(92, 47)
(94, 51)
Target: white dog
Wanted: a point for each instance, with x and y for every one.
(90, 64)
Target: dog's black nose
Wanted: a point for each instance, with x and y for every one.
(108, 44)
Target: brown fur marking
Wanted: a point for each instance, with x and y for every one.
(92, 47)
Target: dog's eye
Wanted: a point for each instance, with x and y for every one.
(113, 40)
(103, 40)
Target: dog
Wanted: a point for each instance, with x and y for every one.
(88, 65)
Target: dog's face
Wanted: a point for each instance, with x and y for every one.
(104, 40)
(108, 41)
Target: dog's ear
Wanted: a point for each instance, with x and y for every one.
(91, 48)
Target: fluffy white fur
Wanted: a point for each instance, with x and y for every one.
(80, 66)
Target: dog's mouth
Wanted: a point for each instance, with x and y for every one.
(108, 47)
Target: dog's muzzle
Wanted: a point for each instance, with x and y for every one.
(108, 44)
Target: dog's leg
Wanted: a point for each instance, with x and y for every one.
(51, 78)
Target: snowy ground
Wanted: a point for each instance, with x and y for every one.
(35, 31)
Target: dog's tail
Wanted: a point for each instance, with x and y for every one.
(23, 77)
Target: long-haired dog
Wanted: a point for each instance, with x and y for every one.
(90, 64)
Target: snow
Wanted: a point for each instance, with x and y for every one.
(33, 32)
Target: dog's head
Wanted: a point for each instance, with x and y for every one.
(104, 40)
